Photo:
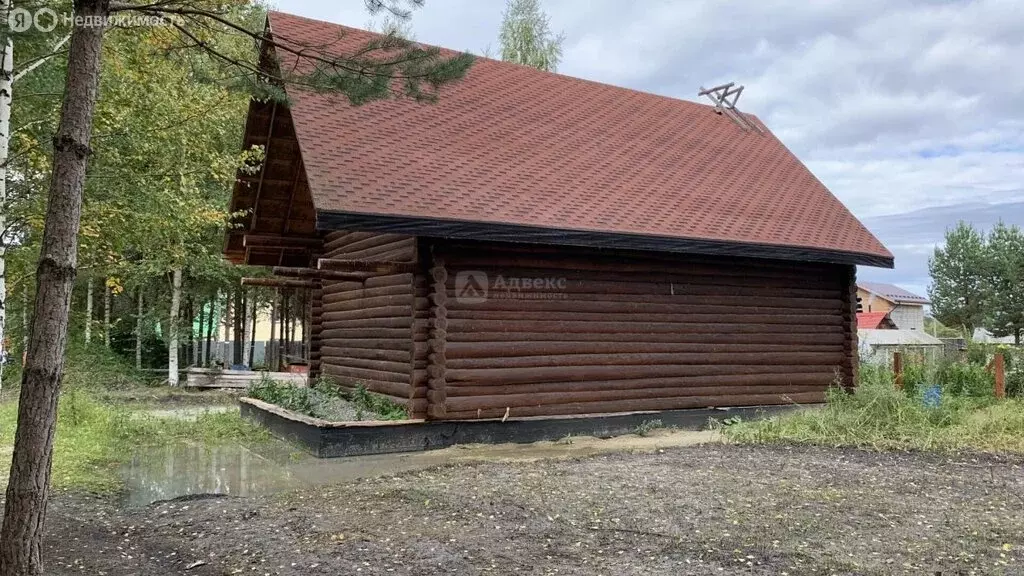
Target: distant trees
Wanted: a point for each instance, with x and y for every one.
(978, 280)
(159, 203)
(526, 37)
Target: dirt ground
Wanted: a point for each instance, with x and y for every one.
(710, 509)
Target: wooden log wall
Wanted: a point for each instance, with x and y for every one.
(366, 334)
(571, 331)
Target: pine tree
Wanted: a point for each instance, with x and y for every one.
(385, 68)
(1004, 281)
(957, 269)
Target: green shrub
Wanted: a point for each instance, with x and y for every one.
(317, 400)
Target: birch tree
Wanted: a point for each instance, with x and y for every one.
(526, 37)
(383, 69)
(8, 78)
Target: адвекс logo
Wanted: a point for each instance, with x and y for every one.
(471, 287)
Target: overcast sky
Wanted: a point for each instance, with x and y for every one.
(912, 113)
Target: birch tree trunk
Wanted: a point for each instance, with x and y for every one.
(246, 329)
(138, 331)
(6, 85)
(173, 329)
(226, 348)
(31, 464)
(209, 333)
(106, 314)
(251, 347)
(88, 311)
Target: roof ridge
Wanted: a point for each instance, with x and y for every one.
(530, 69)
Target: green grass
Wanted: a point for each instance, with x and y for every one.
(94, 438)
(877, 416)
(101, 419)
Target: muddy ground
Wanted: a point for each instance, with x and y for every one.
(711, 509)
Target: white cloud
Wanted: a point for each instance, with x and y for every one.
(896, 105)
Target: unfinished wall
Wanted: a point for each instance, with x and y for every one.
(563, 331)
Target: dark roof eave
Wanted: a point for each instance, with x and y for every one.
(327, 220)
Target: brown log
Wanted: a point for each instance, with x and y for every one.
(437, 332)
(779, 336)
(710, 319)
(291, 271)
(464, 403)
(674, 291)
(395, 356)
(388, 333)
(375, 267)
(641, 405)
(485, 376)
(632, 267)
(712, 297)
(280, 283)
(457, 350)
(820, 380)
(331, 287)
(397, 322)
(713, 326)
(457, 250)
(402, 279)
(364, 292)
(404, 300)
(329, 355)
(851, 350)
(330, 367)
(332, 312)
(376, 246)
(638, 306)
(651, 359)
(280, 241)
(334, 242)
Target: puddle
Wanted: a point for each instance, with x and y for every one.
(166, 472)
(173, 471)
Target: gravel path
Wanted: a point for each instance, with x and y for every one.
(711, 509)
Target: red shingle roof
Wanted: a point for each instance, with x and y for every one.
(510, 145)
(873, 320)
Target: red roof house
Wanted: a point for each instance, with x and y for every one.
(874, 321)
(625, 251)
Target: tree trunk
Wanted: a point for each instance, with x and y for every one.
(28, 487)
(284, 329)
(190, 345)
(174, 329)
(24, 322)
(226, 349)
(251, 350)
(138, 331)
(202, 335)
(238, 340)
(246, 357)
(6, 84)
(209, 333)
(88, 310)
(269, 353)
(106, 314)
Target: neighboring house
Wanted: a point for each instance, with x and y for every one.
(906, 309)
(534, 244)
(878, 345)
(875, 321)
